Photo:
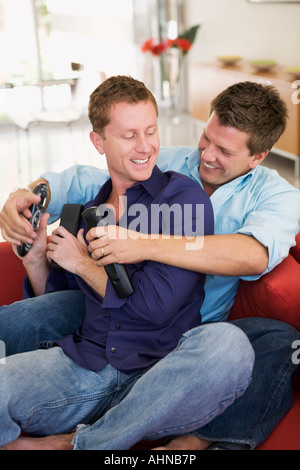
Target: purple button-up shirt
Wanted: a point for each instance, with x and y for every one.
(137, 331)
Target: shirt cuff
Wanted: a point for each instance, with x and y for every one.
(111, 299)
(265, 240)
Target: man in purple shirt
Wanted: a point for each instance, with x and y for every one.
(135, 332)
(90, 376)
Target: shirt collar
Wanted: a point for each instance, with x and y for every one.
(241, 181)
(193, 159)
(193, 162)
(154, 184)
(103, 194)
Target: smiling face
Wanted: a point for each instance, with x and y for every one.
(130, 143)
(224, 155)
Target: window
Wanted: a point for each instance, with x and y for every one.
(17, 41)
(53, 33)
(41, 38)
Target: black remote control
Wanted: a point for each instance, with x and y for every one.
(116, 272)
(37, 212)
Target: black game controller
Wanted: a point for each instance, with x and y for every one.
(36, 211)
(116, 272)
(70, 218)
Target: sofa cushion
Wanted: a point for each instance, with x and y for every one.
(286, 436)
(12, 274)
(275, 295)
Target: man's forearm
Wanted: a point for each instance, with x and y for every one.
(221, 255)
(37, 275)
(94, 276)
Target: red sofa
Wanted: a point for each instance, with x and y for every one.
(276, 294)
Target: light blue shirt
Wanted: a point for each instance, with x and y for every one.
(260, 203)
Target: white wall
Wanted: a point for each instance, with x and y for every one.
(254, 31)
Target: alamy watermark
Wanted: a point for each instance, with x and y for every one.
(296, 94)
(2, 353)
(157, 221)
(296, 354)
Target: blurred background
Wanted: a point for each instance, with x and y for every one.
(55, 52)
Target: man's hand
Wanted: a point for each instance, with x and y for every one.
(38, 250)
(66, 250)
(35, 262)
(14, 224)
(72, 254)
(117, 245)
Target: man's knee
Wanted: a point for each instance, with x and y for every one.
(268, 332)
(224, 346)
(234, 347)
(26, 325)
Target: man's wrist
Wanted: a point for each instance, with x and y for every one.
(152, 248)
(36, 264)
(84, 267)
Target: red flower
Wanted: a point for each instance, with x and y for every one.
(159, 48)
(156, 49)
(147, 46)
(184, 44)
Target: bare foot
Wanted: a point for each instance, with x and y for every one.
(58, 442)
(186, 442)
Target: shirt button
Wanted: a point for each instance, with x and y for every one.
(118, 327)
(113, 350)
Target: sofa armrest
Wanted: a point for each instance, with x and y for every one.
(12, 274)
(275, 295)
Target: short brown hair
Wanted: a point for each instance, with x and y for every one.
(255, 109)
(112, 91)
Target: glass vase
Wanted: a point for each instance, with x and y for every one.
(170, 68)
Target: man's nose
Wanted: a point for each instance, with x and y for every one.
(142, 144)
(208, 153)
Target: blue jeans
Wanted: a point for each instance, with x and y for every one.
(245, 424)
(44, 392)
(252, 418)
(28, 325)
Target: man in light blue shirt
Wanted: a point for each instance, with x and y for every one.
(242, 206)
(256, 219)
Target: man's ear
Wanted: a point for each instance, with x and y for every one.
(97, 141)
(258, 158)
